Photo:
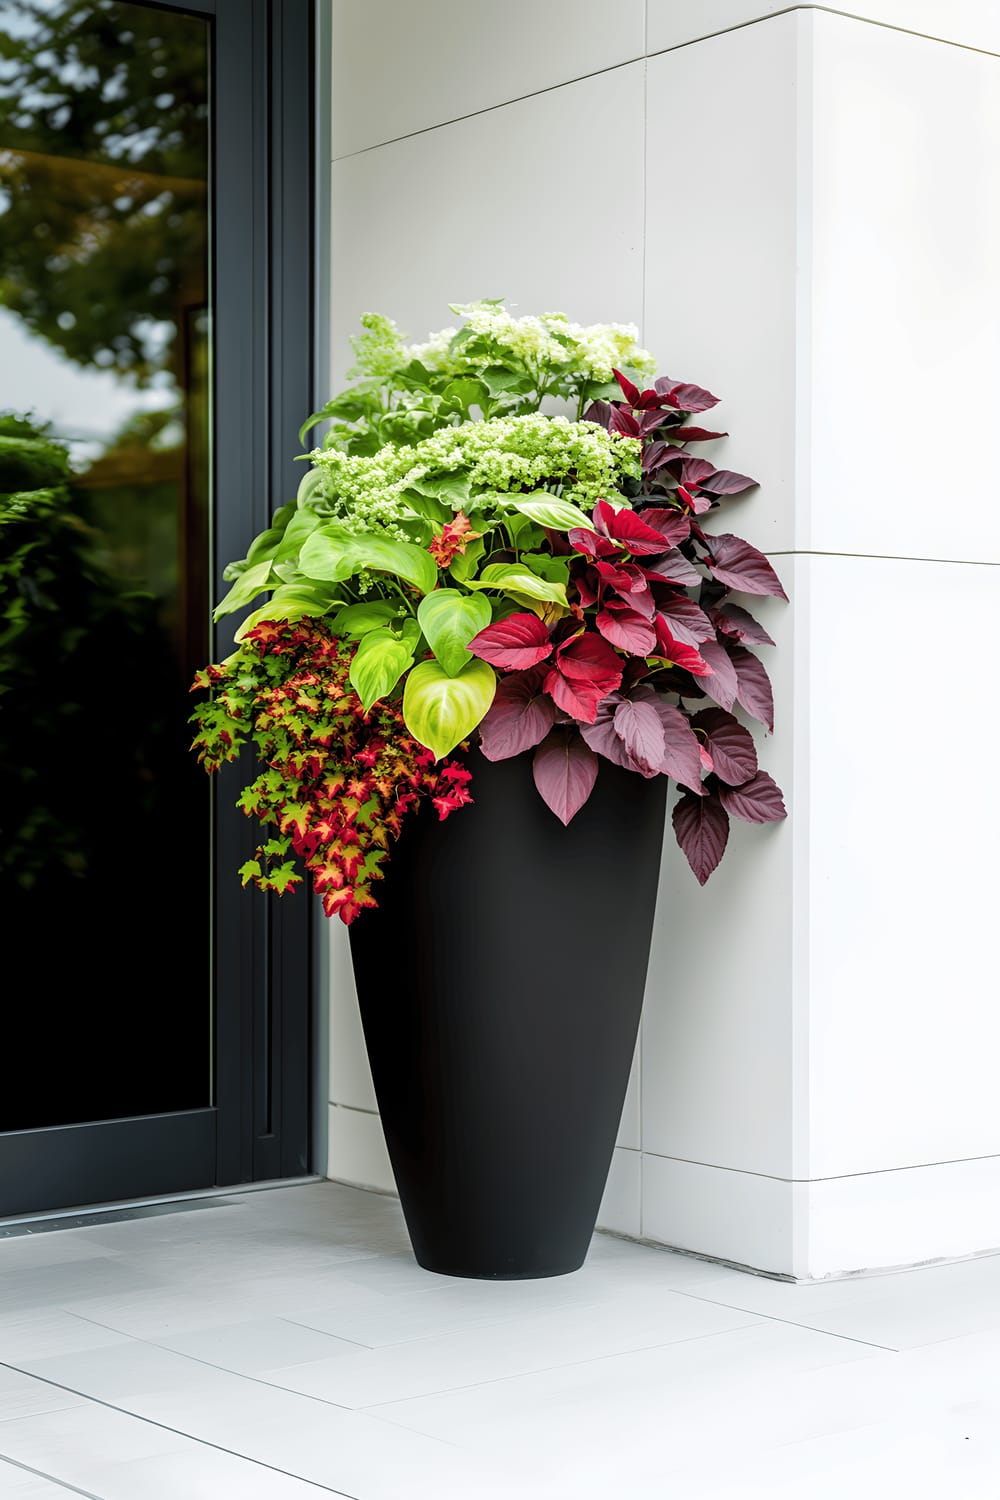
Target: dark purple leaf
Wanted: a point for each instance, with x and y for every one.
(685, 397)
(685, 621)
(626, 628)
(599, 412)
(649, 421)
(681, 747)
(672, 567)
(623, 421)
(727, 482)
(733, 752)
(695, 470)
(735, 563)
(698, 503)
(601, 736)
(638, 727)
(740, 625)
(757, 801)
(721, 687)
(565, 770)
(753, 688)
(694, 434)
(701, 826)
(655, 455)
(521, 640)
(521, 716)
(673, 525)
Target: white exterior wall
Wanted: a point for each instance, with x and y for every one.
(801, 211)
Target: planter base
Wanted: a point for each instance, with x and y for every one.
(500, 982)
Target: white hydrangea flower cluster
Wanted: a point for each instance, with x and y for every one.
(592, 351)
(500, 456)
(380, 350)
(435, 354)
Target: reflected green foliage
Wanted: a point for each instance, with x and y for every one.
(103, 153)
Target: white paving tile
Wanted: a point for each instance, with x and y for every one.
(23, 1484)
(258, 1344)
(23, 1396)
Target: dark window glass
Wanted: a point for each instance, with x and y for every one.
(104, 536)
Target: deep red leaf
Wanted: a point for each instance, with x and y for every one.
(685, 621)
(626, 628)
(638, 726)
(740, 625)
(586, 669)
(738, 565)
(722, 685)
(753, 688)
(520, 716)
(627, 529)
(564, 769)
(679, 651)
(733, 752)
(616, 577)
(589, 543)
(629, 391)
(759, 800)
(521, 640)
(701, 826)
(727, 482)
(698, 503)
(683, 396)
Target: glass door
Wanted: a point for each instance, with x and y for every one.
(134, 964)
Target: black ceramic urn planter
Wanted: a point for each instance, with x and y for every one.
(501, 981)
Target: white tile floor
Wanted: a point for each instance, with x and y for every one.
(282, 1345)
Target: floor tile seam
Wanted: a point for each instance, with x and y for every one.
(62, 1484)
(46, 1412)
(794, 1323)
(595, 1359)
(417, 1338)
(176, 1431)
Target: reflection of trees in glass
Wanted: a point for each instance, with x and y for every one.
(103, 164)
(86, 683)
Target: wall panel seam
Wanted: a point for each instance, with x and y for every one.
(830, 10)
(920, 1166)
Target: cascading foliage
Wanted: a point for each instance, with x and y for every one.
(457, 561)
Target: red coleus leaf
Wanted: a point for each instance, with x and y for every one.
(701, 827)
(698, 503)
(694, 435)
(623, 421)
(629, 391)
(753, 686)
(685, 621)
(627, 529)
(637, 725)
(758, 800)
(590, 543)
(626, 628)
(625, 578)
(684, 397)
(679, 652)
(452, 540)
(727, 482)
(733, 752)
(673, 567)
(738, 565)
(740, 625)
(721, 687)
(586, 669)
(564, 769)
(519, 717)
(673, 525)
(521, 640)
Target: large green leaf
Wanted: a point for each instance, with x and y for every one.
(549, 510)
(413, 564)
(379, 663)
(512, 578)
(452, 488)
(358, 619)
(246, 588)
(328, 554)
(302, 524)
(464, 564)
(289, 602)
(441, 710)
(427, 506)
(449, 620)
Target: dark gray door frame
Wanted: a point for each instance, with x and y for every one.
(262, 329)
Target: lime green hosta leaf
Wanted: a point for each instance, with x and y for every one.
(288, 602)
(449, 620)
(379, 663)
(441, 710)
(549, 510)
(334, 554)
(301, 525)
(408, 562)
(427, 507)
(246, 588)
(329, 555)
(555, 569)
(513, 578)
(452, 488)
(358, 619)
(465, 563)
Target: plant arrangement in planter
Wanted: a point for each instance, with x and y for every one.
(469, 591)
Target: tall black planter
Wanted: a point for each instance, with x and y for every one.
(501, 981)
